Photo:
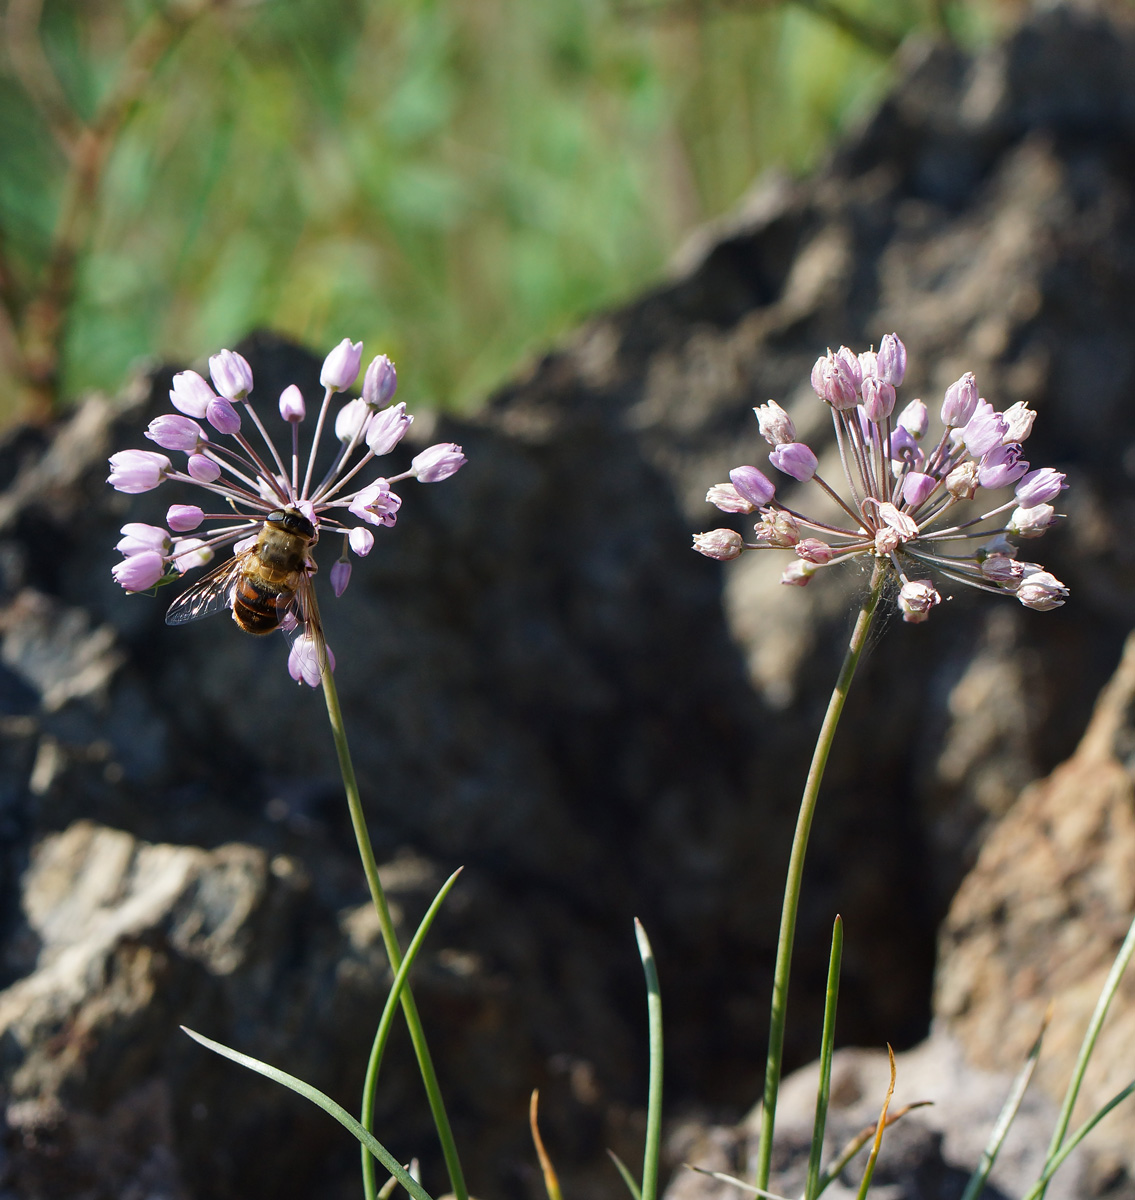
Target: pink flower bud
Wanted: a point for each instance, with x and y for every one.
(776, 425)
(1040, 486)
(341, 366)
(350, 421)
(777, 528)
(795, 459)
(961, 482)
(361, 540)
(1001, 466)
(437, 462)
(340, 576)
(138, 537)
(304, 664)
(232, 376)
(203, 469)
(960, 401)
(915, 419)
(868, 366)
(190, 394)
(891, 360)
(916, 598)
(1042, 591)
(1000, 568)
(181, 518)
(1019, 417)
(833, 382)
(798, 573)
(380, 382)
(136, 471)
(387, 428)
(916, 488)
(753, 485)
(814, 550)
(223, 417)
(1031, 522)
(292, 406)
(878, 399)
(139, 572)
(851, 364)
(176, 433)
(726, 497)
(189, 553)
(721, 544)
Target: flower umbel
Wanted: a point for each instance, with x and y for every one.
(900, 505)
(260, 501)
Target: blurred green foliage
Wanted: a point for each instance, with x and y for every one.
(457, 182)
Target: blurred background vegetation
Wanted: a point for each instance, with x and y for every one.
(457, 182)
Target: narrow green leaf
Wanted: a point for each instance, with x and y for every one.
(1005, 1119)
(654, 1089)
(740, 1183)
(827, 1045)
(326, 1103)
(859, 1141)
(628, 1178)
(382, 1033)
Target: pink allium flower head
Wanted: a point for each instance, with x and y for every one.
(1001, 466)
(136, 471)
(176, 433)
(190, 394)
(437, 462)
(721, 544)
(350, 421)
(139, 572)
(960, 401)
(915, 419)
(726, 497)
(878, 399)
(137, 537)
(181, 518)
(222, 416)
(341, 366)
(232, 376)
(1041, 591)
(1040, 486)
(753, 485)
(387, 428)
(775, 424)
(361, 540)
(376, 504)
(203, 469)
(340, 576)
(891, 360)
(795, 459)
(916, 598)
(292, 406)
(917, 488)
(303, 661)
(380, 382)
(984, 430)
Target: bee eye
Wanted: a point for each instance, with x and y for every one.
(278, 517)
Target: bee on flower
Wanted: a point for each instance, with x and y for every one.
(266, 508)
(906, 505)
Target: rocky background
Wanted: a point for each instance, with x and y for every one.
(544, 684)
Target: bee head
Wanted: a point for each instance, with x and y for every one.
(291, 521)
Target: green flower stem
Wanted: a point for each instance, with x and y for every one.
(796, 872)
(389, 937)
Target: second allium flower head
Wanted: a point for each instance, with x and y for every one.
(270, 511)
(901, 499)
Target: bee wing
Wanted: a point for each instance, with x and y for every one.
(212, 593)
(310, 622)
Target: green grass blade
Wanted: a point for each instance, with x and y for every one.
(654, 1090)
(382, 1033)
(624, 1171)
(1051, 1167)
(1005, 1119)
(880, 1127)
(751, 1188)
(1110, 986)
(859, 1141)
(827, 1045)
(326, 1103)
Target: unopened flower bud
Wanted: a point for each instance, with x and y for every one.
(1040, 486)
(916, 598)
(437, 462)
(340, 576)
(181, 518)
(726, 497)
(137, 471)
(776, 425)
(1042, 591)
(361, 540)
(1000, 568)
(341, 366)
(380, 382)
(814, 550)
(222, 416)
(852, 364)
(172, 432)
(190, 394)
(1031, 522)
(232, 376)
(189, 553)
(795, 459)
(961, 482)
(350, 421)
(1001, 466)
(753, 485)
(203, 468)
(1019, 417)
(292, 406)
(798, 573)
(891, 360)
(721, 544)
(887, 541)
(833, 382)
(878, 399)
(778, 528)
(915, 419)
(139, 572)
(138, 537)
(387, 428)
(917, 488)
(868, 365)
(304, 660)
(960, 401)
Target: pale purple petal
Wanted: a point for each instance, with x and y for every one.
(139, 572)
(795, 459)
(341, 366)
(172, 432)
(232, 376)
(181, 518)
(437, 462)
(292, 406)
(222, 416)
(361, 541)
(340, 576)
(1040, 486)
(380, 382)
(203, 469)
(136, 471)
(753, 485)
(190, 394)
(387, 428)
